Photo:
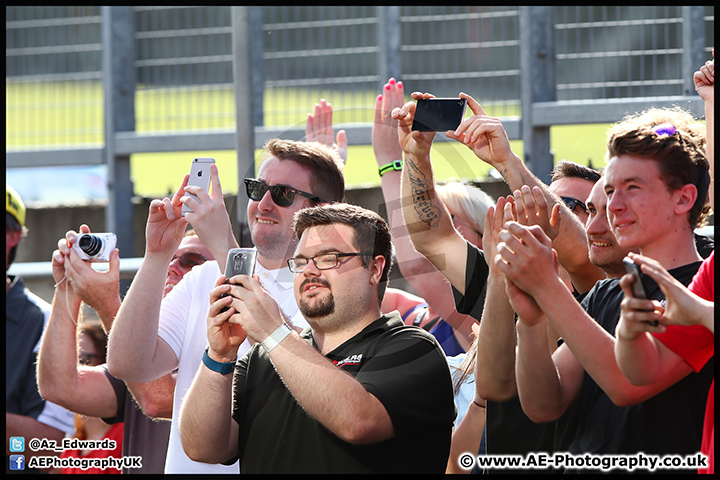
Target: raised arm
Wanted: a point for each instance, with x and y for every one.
(704, 80)
(495, 365)
(81, 389)
(529, 262)
(641, 357)
(210, 218)
(487, 138)
(135, 352)
(426, 280)
(319, 128)
(424, 215)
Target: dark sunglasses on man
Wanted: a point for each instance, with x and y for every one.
(574, 202)
(282, 195)
(189, 260)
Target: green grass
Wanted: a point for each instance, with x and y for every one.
(61, 114)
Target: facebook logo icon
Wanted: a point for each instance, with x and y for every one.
(17, 462)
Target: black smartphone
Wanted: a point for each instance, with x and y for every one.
(438, 114)
(240, 261)
(639, 287)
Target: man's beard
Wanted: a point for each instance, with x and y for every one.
(321, 307)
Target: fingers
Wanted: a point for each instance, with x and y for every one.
(215, 182)
(473, 104)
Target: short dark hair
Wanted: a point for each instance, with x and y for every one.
(567, 169)
(321, 161)
(680, 155)
(372, 233)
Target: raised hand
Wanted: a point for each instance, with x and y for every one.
(414, 143)
(704, 80)
(532, 209)
(484, 135)
(386, 145)
(165, 225)
(319, 128)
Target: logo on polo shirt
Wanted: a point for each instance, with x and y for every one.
(351, 360)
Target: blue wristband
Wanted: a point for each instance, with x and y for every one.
(222, 368)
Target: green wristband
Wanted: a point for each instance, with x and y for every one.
(394, 165)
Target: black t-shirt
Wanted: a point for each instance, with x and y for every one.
(671, 422)
(142, 436)
(403, 366)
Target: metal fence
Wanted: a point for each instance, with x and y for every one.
(93, 85)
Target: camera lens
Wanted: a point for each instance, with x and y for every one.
(90, 244)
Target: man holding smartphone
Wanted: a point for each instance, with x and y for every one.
(656, 182)
(359, 392)
(153, 336)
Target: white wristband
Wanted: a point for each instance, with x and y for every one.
(276, 337)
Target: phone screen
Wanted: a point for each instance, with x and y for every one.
(438, 114)
(199, 176)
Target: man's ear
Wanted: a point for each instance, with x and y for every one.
(377, 265)
(686, 197)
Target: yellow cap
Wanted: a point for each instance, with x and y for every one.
(14, 205)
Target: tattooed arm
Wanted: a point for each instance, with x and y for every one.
(426, 217)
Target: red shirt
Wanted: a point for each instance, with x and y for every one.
(114, 433)
(696, 344)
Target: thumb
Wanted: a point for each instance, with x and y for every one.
(114, 265)
(341, 140)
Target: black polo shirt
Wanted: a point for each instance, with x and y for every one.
(403, 366)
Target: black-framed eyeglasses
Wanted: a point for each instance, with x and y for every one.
(574, 202)
(190, 259)
(282, 195)
(324, 261)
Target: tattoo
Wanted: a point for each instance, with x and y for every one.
(428, 212)
(504, 174)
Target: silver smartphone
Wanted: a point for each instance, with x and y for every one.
(638, 285)
(199, 176)
(240, 261)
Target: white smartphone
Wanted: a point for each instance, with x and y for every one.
(199, 176)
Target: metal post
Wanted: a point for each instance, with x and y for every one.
(119, 80)
(693, 43)
(388, 38)
(245, 105)
(538, 84)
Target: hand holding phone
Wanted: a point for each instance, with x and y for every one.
(639, 289)
(199, 177)
(240, 261)
(438, 114)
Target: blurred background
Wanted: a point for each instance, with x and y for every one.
(107, 106)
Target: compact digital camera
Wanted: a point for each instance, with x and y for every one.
(95, 247)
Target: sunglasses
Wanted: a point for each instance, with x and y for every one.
(189, 260)
(282, 196)
(574, 202)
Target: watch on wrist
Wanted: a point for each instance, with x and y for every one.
(274, 339)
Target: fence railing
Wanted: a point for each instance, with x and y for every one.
(173, 79)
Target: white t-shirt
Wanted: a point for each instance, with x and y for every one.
(183, 325)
